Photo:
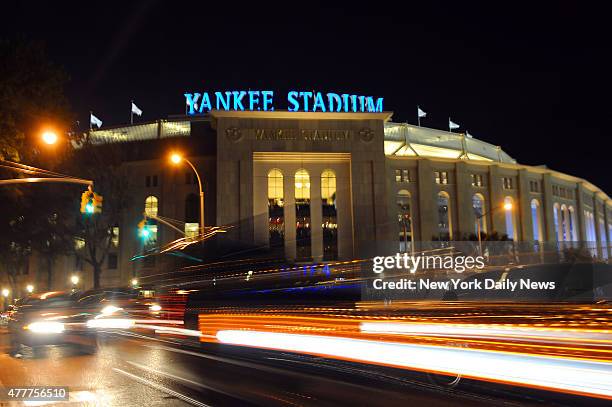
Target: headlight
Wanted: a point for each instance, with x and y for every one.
(110, 309)
(155, 308)
(45, 327)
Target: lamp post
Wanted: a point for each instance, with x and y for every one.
(75, 281)
(506, 206)
(30, 288)
(49, 137)
(176, 158)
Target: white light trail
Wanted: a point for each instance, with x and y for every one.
(483, 331)
(571, 375)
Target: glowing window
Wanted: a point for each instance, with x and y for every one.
(302, 185)
(536, 221)
(510, 223)
(151, 206)
(192, 229)
(115, 237)
(275, 185)
(478, 203)
(444, 217)
(328, 187)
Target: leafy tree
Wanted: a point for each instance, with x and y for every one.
(31, 99)
(102, 164)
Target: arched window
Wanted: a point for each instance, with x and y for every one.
(302, 215)
(564, 224)
(151, 205)
(510, 222)
(444, 217)
(330, 215)
(536, 220)
(404, 219)
(603, 238)
(276, 212)
(556, 215)
(478, 204)
(572, 224)
(192, 207)
(151, 209)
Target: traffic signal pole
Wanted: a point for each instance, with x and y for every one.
(68, 180)
(50, 176)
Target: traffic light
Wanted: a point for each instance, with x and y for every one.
(96, 201)
(91, 202)
(142, 228)
(86, 206)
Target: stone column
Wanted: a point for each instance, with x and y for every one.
(582, 234)
(289, 191)
(496, 217)
(524, 220)
(316, 217)
(428, 206)
(548, 226)
(466, 218)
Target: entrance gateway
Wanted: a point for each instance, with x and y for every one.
(312, 183)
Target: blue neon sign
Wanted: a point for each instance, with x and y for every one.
(297, 101)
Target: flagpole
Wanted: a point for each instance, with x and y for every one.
(90, 113)
(131, 111)
(418, 116)
(450, 129)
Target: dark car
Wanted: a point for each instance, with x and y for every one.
(51, 318)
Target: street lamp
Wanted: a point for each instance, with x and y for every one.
(5, 292)
(30, 288)
(134, 282)
(507, 206)
(176, 158)
(49, 137)
(74, 280)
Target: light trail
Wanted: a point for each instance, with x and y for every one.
(575, 376)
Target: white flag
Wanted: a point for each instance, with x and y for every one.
(420, 112)
(468, 134)
(93, 120)
(452, 125)
(136, 110)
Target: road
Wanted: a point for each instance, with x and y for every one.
(132, 370)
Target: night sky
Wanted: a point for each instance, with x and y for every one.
(530, 77)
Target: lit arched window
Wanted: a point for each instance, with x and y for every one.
(275, 185)
(572, 224)
(302, 185)
(330, 215)
(510, 223)
(302, 215)
(536, 220)
(404, 218)
(478, 204)
(276, 212)
(444, 217)
(151, 210)
(151, 205)
(603, 238)
(556, 215)
(564, 232)
(328, 187)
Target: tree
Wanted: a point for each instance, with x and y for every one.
(102, 164)
(31, 99)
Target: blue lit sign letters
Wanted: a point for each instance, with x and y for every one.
(297, 101)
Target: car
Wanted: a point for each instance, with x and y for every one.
(50, 319)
